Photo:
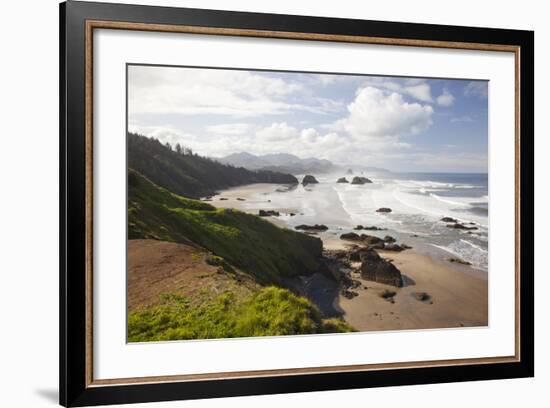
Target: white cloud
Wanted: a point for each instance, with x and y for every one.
(477, 88)
(277, 132)
(229, 128)
(165, 134)
(416, 88)
(421, 92)
(375, 113)
(189, 91)
(445, 99)
(309, 135)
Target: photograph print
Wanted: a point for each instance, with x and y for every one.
(267, 203)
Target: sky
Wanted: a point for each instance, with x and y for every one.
(398, 123)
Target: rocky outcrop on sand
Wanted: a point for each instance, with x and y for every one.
(395, 247)
(448, 219)
(316, 227)
(268, 213)
(372, 242)
(360, 180)
(342, 180)
(384, 210)
(422, 297)
(377, 269)
(350, 236)
(309, 179)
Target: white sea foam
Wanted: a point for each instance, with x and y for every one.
(467, 251)
(451, 202)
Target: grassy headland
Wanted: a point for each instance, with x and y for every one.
(248, 242)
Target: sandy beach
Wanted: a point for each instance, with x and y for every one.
(456, 298)
(457, 295)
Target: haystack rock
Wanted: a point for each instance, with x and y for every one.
(309, 179)
(360, 180)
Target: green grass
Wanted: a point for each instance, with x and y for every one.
(270, 311)
(246, 241)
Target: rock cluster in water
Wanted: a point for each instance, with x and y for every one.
(360, 180)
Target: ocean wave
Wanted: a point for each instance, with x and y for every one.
(467, 251)
(473, 245)
(452, 202)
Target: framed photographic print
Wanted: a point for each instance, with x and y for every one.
(256, 203)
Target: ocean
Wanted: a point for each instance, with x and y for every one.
(418, 202)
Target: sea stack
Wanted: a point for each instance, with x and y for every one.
(309, 179)
(342, 180)
(360, 180)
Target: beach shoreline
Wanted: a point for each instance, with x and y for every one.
(457, 295)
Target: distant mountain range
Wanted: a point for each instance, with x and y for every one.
(279, 162)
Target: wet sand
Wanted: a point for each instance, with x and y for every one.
(458, 295)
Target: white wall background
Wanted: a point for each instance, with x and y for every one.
(29, 204)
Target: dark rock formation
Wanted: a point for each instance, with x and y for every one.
(268, 213)
(357, 254)
(350, 236)
(459, 261)
(394, 247)
(342, 180)
(372, 240)
(349, 294)
(458, 225)
(375, 268)
(384, 210)
(388, 295)
(422, 297)
(371, 228)
(316, 227)
(448, 219)
(240, 199)
(309, 179)
(360, 180)
(223, 199)
(389, 239)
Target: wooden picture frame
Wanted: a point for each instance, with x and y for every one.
(78, 20)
